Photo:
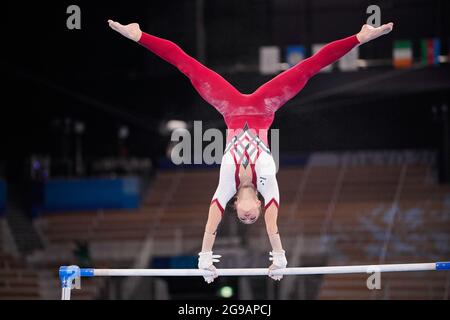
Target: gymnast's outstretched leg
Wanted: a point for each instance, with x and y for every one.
(287, 84)
(209, 84)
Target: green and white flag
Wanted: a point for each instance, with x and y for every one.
(403, 54)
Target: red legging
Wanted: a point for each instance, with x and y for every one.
(256, 109)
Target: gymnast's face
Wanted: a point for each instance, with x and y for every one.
(247, 204)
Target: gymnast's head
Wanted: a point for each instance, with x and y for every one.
(247, 203)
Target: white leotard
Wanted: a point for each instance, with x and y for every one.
(247, 149)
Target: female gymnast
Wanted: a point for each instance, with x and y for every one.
(247, 165)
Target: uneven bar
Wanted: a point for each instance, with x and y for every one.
(263, 271)
(70, 274)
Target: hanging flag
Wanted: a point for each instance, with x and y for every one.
(295, 54)
(315, 48)
(269, 60)
(430, 51)
(403, 54)
(349, 62)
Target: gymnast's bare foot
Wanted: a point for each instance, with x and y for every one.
(131, 31)
(368, 32)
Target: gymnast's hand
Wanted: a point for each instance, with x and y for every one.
(205, 262)
(131, 31)
(368, 32)
(279, 262)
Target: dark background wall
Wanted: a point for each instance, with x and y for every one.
(95, 76)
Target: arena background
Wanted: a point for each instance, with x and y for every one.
(85, 178)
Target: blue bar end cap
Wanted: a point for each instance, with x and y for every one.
(443, 265)
(88, 272)
(67, 274)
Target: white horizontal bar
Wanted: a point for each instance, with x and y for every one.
(264, 271)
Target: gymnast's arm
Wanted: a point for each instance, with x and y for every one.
(224, 192)
(271, 217)
(268, 187)
(206, 258)
(277, 254)
(214, 218)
